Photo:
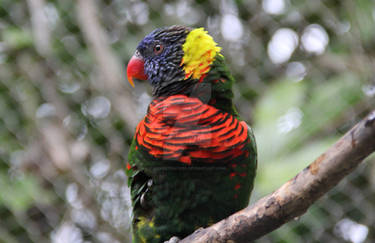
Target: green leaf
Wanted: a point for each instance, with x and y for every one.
(22, 192)
(17, 38)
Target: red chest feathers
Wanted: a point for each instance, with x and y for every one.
(185, 129)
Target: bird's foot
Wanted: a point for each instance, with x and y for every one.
(174, 239)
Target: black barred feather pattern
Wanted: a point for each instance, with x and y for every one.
(192, 161)
(184, 129)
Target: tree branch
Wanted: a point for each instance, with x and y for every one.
(108, 65)
(294, 197)
(40, 30)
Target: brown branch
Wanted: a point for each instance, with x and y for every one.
(40, 29)
(294, 197)
(113, 77)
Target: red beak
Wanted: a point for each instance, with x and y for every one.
(136, 69)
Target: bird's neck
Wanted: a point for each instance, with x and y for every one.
(213, 88)
(219, 81)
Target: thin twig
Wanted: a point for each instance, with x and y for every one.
(109, 66)
(41, 31)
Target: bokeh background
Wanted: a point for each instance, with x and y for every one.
(305, 74)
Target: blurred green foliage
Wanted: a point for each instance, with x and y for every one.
(64, 138)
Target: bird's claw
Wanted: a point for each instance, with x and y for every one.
(174, 239)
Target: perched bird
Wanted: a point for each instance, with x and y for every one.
(192, 161)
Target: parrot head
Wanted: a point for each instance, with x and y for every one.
(173, 59)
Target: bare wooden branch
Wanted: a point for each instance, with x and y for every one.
(294, 197)
(108, 64)
(41, 31)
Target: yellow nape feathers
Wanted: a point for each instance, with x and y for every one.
(199, 53)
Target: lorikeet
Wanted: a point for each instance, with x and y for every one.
(192, 161)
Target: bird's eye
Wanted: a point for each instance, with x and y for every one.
(158, 48)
